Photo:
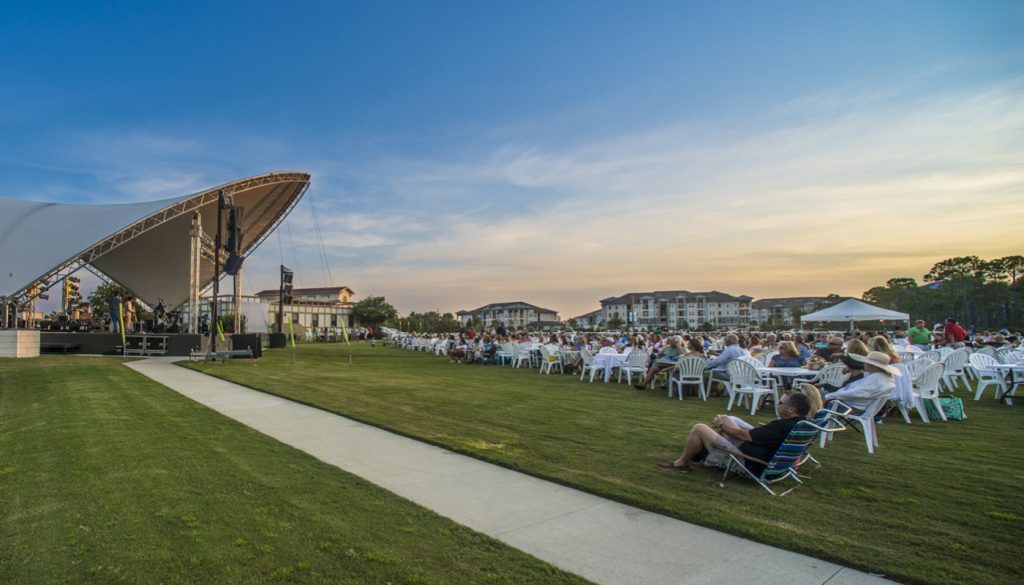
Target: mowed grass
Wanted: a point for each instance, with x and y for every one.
(107, 477)
(938, 503)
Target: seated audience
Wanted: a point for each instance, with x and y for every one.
(758, 442)
(788, 356)
(877, 380)
(671, 351)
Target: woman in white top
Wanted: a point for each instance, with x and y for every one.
(877, 381)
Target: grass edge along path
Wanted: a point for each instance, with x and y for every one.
(109, 477)
(912, 511)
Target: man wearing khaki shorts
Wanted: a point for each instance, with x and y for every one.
(758, 442)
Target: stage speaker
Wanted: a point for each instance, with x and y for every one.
(278, 340)
(248, 340)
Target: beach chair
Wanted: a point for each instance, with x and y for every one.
(786, 461)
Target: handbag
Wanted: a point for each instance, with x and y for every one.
(952, 406)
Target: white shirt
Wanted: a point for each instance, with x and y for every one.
(861, 393)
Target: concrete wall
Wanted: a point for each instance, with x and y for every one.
(19, 343)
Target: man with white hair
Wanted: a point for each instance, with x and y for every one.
(732, 351)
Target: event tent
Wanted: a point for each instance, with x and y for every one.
(853, 310)
(145, 247)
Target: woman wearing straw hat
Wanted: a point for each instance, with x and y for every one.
(877, 381)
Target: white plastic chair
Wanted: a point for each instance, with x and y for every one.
(905, 397)
(521, 354)
(954, 364)
(933, 355)
(919, 365)
(588, 365)
(744, 380)
(907, 356)
(982, 364)
(766, 377)
(505, 353)
(987, 350)
(689, 370)
(831, 375)
(867, 421)
(549, 360)
(926, 387)
(636, 363)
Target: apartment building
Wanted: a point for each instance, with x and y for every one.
(515, 315)
(677, 309)
(783, 310)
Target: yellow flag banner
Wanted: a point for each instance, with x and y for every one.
(120, 310)
(344, 331)
(291, 332)
(220, 329)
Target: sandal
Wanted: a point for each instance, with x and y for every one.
(671, 466)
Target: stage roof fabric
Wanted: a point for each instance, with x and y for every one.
(142, 246)
(854, 310)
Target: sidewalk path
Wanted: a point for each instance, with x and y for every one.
(601, 540)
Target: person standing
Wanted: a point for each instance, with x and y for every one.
(115, 312)
(920, 336)
(129, 314)
(954, 334)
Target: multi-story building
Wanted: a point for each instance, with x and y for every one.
(311, 307)
(515, 315)
(589, 320)
(677, 309)
(783, 310)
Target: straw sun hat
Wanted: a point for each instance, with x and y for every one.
(879, 360)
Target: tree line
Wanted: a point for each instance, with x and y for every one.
(985, 293)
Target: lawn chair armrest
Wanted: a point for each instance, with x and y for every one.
(736, 457)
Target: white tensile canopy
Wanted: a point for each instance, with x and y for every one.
(853, 310)
(143, 246)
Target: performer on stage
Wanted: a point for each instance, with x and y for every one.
(115, 313)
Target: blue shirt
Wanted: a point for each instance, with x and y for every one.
(730, 352)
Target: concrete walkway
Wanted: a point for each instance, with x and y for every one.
(601, 540)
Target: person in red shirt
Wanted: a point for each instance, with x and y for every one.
(954, 334)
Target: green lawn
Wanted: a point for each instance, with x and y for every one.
(938, 503)
(107, 477)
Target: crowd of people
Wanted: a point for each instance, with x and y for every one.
(870, 362)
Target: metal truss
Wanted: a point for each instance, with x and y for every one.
(193, 203)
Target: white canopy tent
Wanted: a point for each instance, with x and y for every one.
(144, 247)
(852, 310)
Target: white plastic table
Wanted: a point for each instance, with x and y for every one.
(1011, 372)
(609, 361)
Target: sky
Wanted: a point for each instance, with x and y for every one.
(464, 153)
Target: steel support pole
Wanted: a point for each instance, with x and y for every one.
(214, 313)
(237, 301)
(195, 257)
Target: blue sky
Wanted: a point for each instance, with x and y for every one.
(472, 152)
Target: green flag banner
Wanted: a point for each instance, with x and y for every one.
(344, 331)
(120, 310)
